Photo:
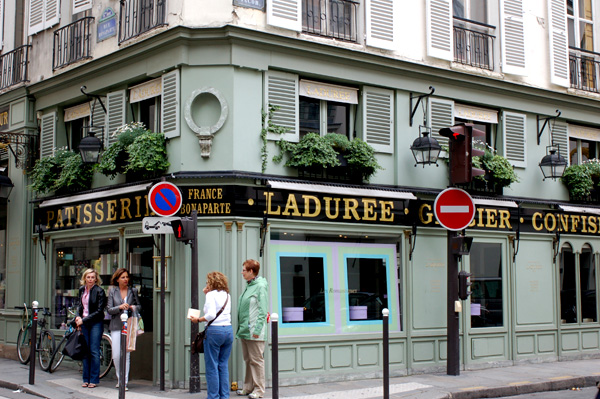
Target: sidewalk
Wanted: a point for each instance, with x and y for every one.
(489, 383)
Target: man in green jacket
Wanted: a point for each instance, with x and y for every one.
(252, 327)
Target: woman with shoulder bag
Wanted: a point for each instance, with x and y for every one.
(219, 335)
(122, 298)
(92, 301)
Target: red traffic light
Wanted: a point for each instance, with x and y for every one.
(184, 229)
(462, 152)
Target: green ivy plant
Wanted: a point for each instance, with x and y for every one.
(328, 151)
(64, 170)
(136, 150)
(579, 178)
(268, 126)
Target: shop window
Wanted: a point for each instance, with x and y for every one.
(367, 288)
(71, 258)
(302, 285)
(577, 286)
(2, 256)
(486, 285)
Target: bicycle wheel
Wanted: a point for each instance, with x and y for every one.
(46, 348)
(25, 317)
(106, 361)
(57, 356)
(24, 345)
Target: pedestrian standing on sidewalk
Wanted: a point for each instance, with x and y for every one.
(92, 301)
(122, 298)
(252, 327)
(219, 335)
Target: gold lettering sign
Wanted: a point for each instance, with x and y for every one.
(324, 91)
(77, 112)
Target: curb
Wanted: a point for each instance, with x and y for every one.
(26, 389)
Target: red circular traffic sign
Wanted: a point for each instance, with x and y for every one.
(164, 199)
(454, 209)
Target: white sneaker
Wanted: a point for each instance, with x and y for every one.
(254, 395)
(241, 392)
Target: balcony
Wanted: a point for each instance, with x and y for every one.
(72, 43)
(330, 18)
(13, 66)
(583, 69)
(140, 16)
(475, 46)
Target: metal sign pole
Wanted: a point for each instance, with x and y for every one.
(194, 358)
(33, 343)
(162, 311)
(123, 358)
(453, 344)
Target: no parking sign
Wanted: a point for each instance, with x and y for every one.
(165, 199)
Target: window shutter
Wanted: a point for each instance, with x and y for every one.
(282, 91)
(52, 13)
(98, 115)
(381, 15)
(514, 138)
(116, 114)
(441, 115)
(170, 104)
(47, 134)
(512, 37)
(81, 5)
(560, 137)
(36, 16)
(439, 29)
(285, 14)
(378, 117)
(559, 50)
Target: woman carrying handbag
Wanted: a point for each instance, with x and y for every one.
(219, 335)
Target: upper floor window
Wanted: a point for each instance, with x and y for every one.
(43, 14)
(584, 144)
(139, 16)
(146, 101)
(473, 39)
(332, 18)
(580, 24)
(77, 120)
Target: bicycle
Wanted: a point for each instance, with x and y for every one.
(106, 361)
(45, 344)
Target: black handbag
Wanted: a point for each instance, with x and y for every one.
(76, 347)
(198, 344)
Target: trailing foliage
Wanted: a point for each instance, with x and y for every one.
(579, 179)
(268, 126)
(64, 170)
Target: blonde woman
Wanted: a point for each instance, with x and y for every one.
(92, 301)
(219, 335)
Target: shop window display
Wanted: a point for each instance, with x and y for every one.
(568, 289)
(367, 288)
(487, 307)
(302, 289)
(587, 277)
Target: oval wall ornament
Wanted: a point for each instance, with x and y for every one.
(206, 130)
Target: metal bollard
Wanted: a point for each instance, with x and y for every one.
(275, 355)
(123, 359)
(33, 343)
(386, 353)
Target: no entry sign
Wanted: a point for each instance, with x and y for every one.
(454, 209)
(164, 199)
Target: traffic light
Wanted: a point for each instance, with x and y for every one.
(463, 285)
(460, 140)
(461, 245)
(184, 229)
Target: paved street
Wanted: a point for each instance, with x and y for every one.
(583, 393)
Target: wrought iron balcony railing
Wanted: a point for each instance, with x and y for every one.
(13, 66)
(72, 43)
(331, 18)
(584, 69)
(473, 47)
(139, 16)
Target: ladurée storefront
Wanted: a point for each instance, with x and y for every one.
(335, 257)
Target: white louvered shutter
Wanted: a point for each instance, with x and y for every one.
(170, 104)
(285, 14)
(81, 5)
(47, 134)
(381, 18)
(512, 37)
(116, 102)
(515, 138)
(378, 117)
(52, 13)
(441, 115)
(98, 119)
(559, 48)
(560, 137)
(36, 16)
(282, 91)
(439, 29)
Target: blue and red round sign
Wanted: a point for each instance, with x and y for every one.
(164, 199)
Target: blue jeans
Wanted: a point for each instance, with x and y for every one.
(217, 348)
(91, 363)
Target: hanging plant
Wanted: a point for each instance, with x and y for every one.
(64, 170)
(581, 179)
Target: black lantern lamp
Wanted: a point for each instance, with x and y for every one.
(6, 186)
(553, 164)
(425, 149)
(90, 148)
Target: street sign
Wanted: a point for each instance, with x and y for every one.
(164, 199)
(158, 225)
(454, 209)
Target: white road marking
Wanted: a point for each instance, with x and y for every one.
(454, 209)
(364, 393)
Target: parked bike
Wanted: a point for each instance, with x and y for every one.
(45, 344)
